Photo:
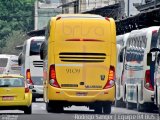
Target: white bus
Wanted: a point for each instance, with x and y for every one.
(138, 80)
(32, 65)
(154, 62)
(9, 64)
(121, 45)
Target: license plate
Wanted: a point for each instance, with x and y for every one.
(81, 94)
(5, 98)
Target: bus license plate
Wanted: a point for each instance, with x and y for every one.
(81, 94)
(7, 98)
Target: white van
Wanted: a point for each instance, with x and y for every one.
(121, 45)
(9, 64)
(138, 79)
(32, 66)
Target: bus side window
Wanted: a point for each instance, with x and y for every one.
(158, 59)
(158, 45)
(158, 38)
(132, 50)
(24, 48)
(44, 46)
(47, 31)
(23, 52)
(43, 50)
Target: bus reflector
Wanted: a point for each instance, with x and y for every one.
(111, 78)
(107, 18)
(52, 77)
(58, 18)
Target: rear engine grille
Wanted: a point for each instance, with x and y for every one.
(82, 57)
(38, 63)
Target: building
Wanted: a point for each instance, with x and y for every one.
(44, 10)
(130, 9)
(114, 8)
(102, 7)
(70, 6)
(148, 5)
(87, 5)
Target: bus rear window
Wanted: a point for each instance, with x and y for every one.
(35, 47)
(3, 62)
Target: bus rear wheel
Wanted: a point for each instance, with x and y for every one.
(98, 108)
(129, 105)
(33, 99)
(117, 103)
(120, 103)
(54, 107)
(107, 108)
(140, 107)
(49, 107)
(57, 109)
(28, 110)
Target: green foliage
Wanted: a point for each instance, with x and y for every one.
(12, 40)
(15, 15)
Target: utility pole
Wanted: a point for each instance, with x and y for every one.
(36, 15)
(128, 8)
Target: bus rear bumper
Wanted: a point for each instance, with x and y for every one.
(75, 95)
(148, 96)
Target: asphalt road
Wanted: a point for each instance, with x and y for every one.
(76, 113)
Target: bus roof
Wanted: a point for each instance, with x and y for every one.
(36, 38)
(144, 30)
(79, 15)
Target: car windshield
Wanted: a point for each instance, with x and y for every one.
(35, 47)
(11, 82)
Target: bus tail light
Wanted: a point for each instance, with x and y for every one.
(26, 90)
(111, 78)
(52, 77)
(28, 77)
(147, 82)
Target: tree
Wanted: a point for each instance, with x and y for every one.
(12, 40)
(15, 15)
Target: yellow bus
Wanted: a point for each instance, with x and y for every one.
(79, 56)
